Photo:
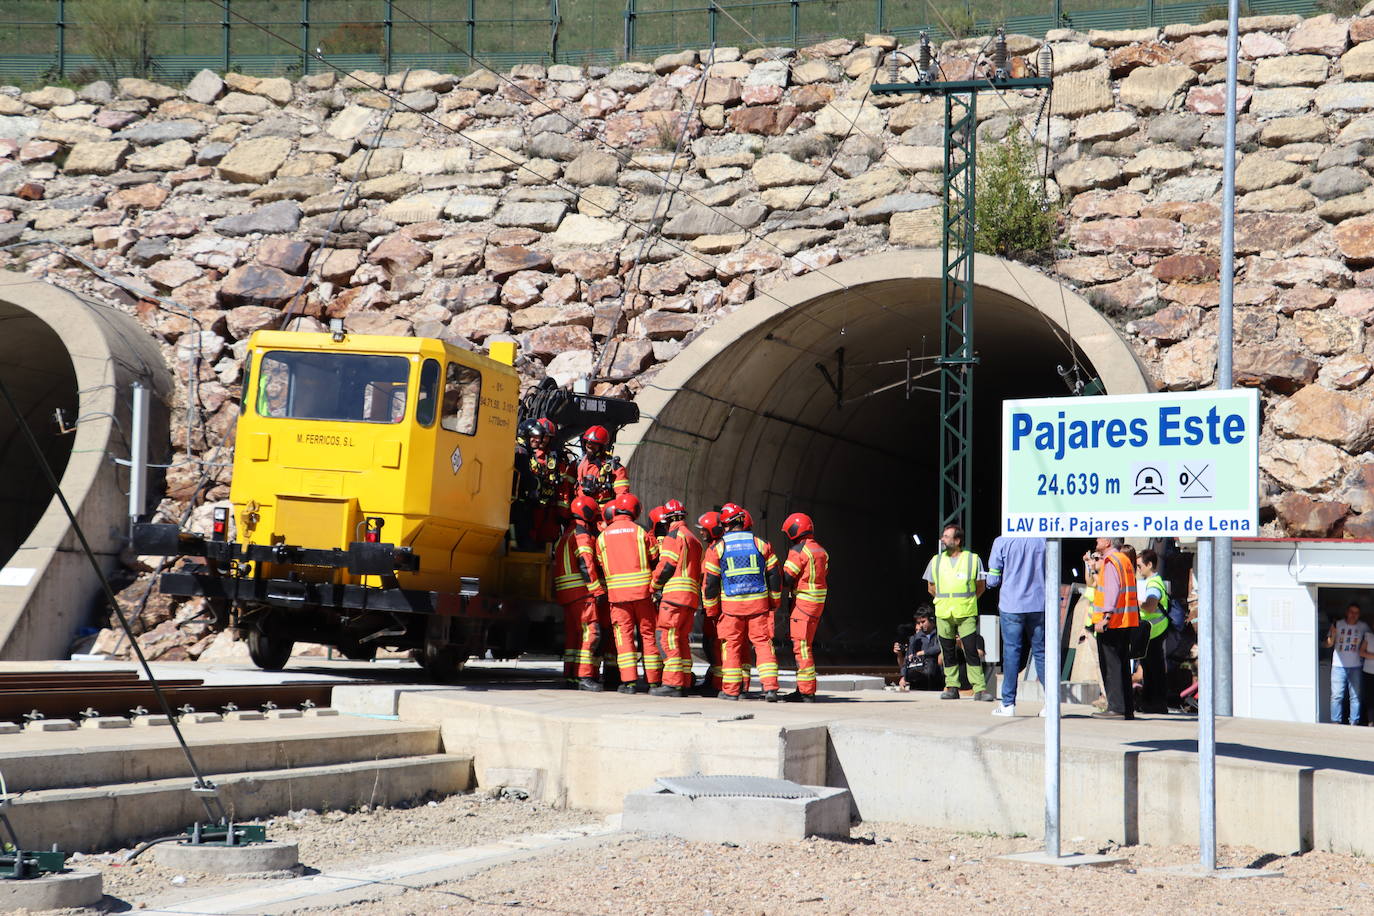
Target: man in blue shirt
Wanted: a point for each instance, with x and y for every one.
(1017, 567)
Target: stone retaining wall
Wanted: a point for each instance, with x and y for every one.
(514, 203)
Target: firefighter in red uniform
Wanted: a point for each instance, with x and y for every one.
(627, 554)
(709, 531)
(678, 582)
(544, 486)
(804, 575)
(743, 579)
(577, 586)
(657, 526)
(600, 474)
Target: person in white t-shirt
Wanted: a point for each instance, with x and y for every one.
(1347, 637)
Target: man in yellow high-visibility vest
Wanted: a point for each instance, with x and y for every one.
(956, 579)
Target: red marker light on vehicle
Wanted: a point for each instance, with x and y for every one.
(221, 524)
(373, 535)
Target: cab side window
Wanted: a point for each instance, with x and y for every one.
(462, 392)
(427, 403)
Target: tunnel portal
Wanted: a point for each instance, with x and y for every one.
(744, 414)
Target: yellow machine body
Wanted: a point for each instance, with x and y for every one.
(409, 438)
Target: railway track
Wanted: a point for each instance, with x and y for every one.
(27, 696)
(32, 695)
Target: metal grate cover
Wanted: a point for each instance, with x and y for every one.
(725, 786)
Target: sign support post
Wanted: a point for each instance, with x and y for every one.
(1183, 464)
(1206, 714)
(1051, 685)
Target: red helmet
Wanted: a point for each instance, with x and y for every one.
(798, 525)
(710, 523)
(656, 515)
(585, 509)
(674, 510)
(550, 429)
(596, 435)
(735, 516)
(626, 504)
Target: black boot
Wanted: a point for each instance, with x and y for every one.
(797, 696)
(770, 696)
(727, 696)
(663, 690)
(590, 683)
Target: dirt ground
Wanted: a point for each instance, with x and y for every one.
(883, 868)
(331, 838)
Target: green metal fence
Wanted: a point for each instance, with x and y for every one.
(43, 39)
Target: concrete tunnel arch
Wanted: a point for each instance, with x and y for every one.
(59, 350)
(742, 414)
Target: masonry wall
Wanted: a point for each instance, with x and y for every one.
(515, 204)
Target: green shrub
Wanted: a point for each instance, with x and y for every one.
(1012, 216)
(119, 34)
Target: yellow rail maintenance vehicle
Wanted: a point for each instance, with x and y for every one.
(371, 501)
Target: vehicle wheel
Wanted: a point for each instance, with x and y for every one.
(443, 666)
(269, 647)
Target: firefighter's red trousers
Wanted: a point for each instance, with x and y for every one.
(803, 627)
(580, 636)
(757, 629)
(606, 634)
(675, 632)
(628, 619)
(714, 649)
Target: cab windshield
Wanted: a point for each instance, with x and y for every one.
(350, 387)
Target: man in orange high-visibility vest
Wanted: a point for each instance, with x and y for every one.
(578, 588)
(743, 580)
(1115, 618)
(804, 574)
(678, 580)
(627, 554)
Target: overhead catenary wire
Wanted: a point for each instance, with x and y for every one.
(498, 153)
(576, 194)
(193, 416)
(886, 151)
(627, 158)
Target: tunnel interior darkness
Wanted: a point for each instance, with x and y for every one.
(40, 377)
(759, 424)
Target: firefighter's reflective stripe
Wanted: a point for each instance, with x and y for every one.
(683, 551)
(741, 567)
(626, 553)
(1127, 610)
(809, 566)
(1158, 619)
(568, 581)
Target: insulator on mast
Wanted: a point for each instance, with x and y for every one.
(925, 66)
(1046, 61)
(999, 54)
